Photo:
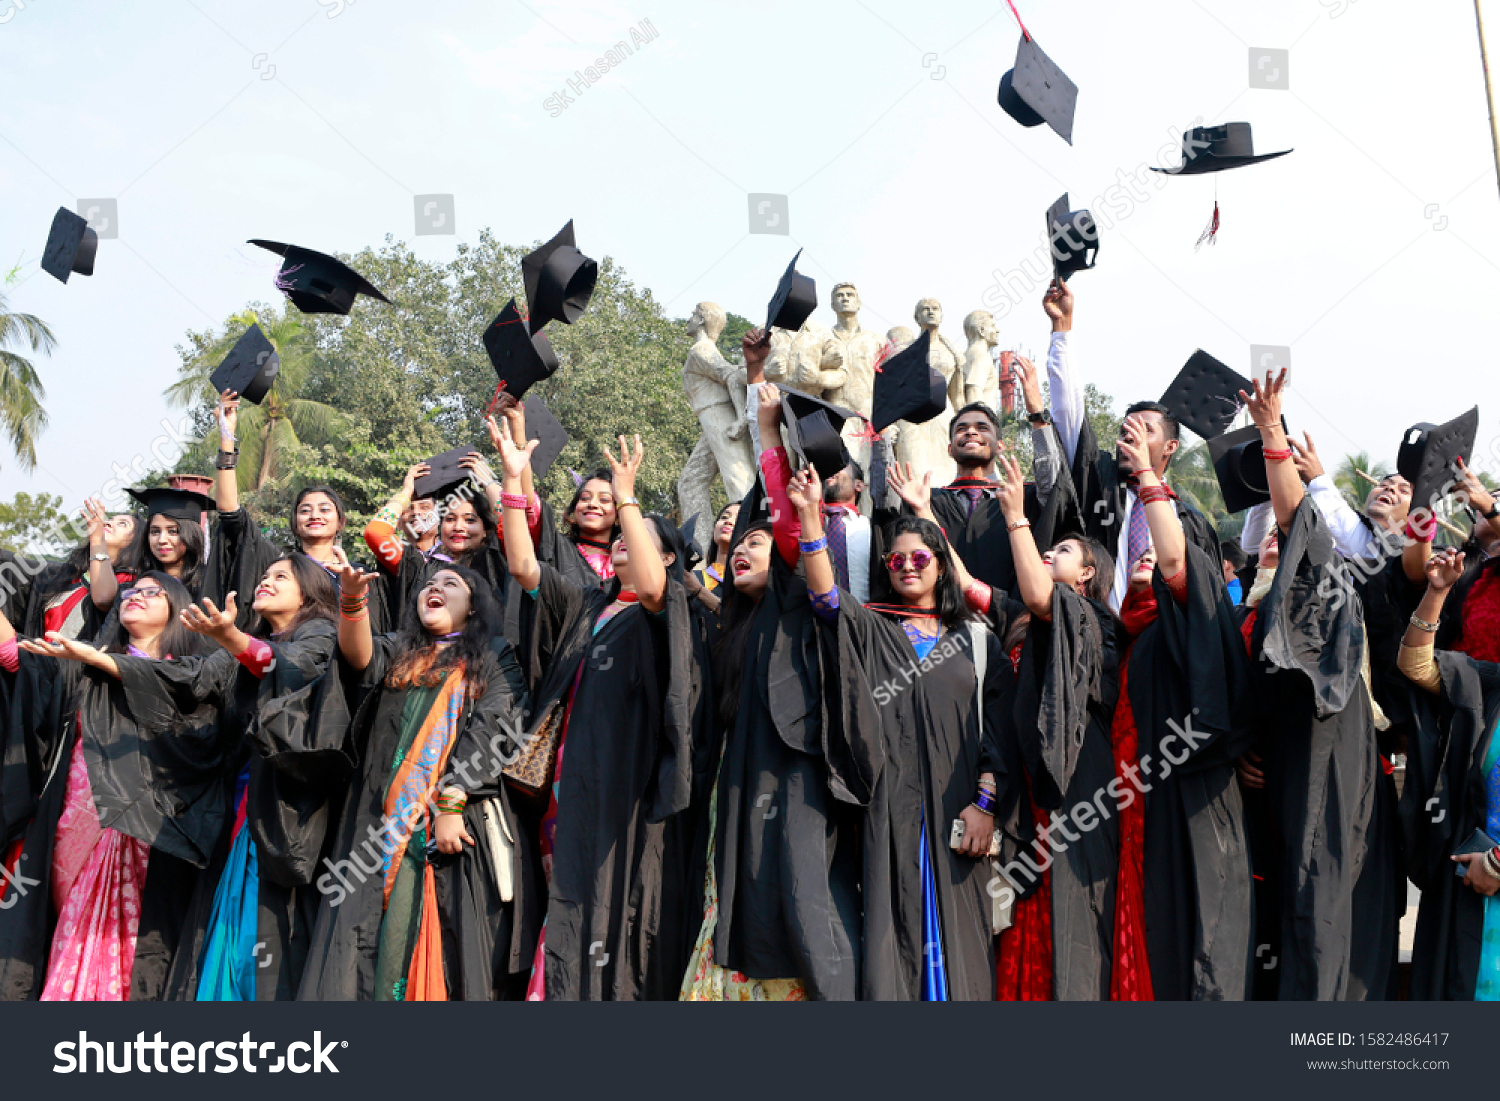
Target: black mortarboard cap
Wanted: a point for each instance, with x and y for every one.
(1216, 148)
(559, 281)
(1037, 91)
(542, 425)
(813, 430)
(1240, 466)
(250, 368)
(317, 283)
(521, 359)
(1427, 453)
(178, 504)
(1205, 395)
(907, 388)
(443, 473)
(1073, 237)
(794, 301)
(71, 245)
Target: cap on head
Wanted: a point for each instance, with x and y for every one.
(176, 504)
(71, 245)
(443, 474)
(317, 282)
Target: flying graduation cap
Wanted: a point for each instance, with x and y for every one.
(521, 358)
(794, 301)
(1073, 237)
(1218, 148)
(1205, 395)
(317, 283)
(1427, 451)
(907, 388)
(813, 430)
(250, 368)
(71, 245)
(559, 281)
(1240, 467)
(175, 504)
(542, 425)
(1037, 91)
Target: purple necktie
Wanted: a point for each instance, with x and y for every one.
(838, 545)
(1138, 541)
(971, 497)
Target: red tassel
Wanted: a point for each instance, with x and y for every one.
(1211, 233)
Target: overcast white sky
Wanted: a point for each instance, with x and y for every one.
(1370, 250)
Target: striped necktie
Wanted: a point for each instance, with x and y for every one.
(1138, 539)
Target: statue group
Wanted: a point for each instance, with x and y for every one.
(837, 365)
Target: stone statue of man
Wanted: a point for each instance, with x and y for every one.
(981, 378)
(807, 360)
(716, 392)
(925, 446)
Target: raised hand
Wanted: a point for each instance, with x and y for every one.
(95, 517)
(1305, 456)
(1031, 385)
(625, 468)
(515, 460)
(54, 645)
(354, 582)
(1444, 569)
(209, 620)
(1471, 487)
(1058, 304)
(805, 490)
(1265, 403)
(916, 492)
(1131, 444)
(409, 483)
(474, 463)
(1012, 488)
(227, 411)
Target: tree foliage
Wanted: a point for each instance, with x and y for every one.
(34, 524)
(22, 417)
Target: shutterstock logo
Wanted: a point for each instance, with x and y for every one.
(85, 1056)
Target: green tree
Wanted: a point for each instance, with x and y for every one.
(34, 524)
(735, 328)
(283, 420)
(22, 417)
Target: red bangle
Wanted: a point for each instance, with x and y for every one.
(1276, 455)
(1149, 494)
(1421, 535)
(514, 500)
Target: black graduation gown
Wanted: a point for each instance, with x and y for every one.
(934, 749)
(792, 783)
(1188, 675)
(1101, 494)
(623, 909)
(272, 726)
(487, 941)
(1442, 805)
(160, 789)
(31, 602)
(1067, 688)
(1333, 865)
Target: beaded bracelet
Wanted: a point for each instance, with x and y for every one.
(1276, 454)
(513, 500)
(814, 546)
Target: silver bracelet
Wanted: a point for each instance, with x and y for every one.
(1422, 625)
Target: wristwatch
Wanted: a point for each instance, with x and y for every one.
(1494, 509)
(1041, 419)
(98, 558)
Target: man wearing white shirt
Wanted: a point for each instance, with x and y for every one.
(1106, 492)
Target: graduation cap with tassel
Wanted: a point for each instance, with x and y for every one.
(1214, 149)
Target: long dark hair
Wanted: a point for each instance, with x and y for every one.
(953, 611)
(175, 640)
(422, 662)
(306, 492)
(320, 596)
(141, 561)
(712, 553)
(598, 474)
(1096, 588)
(672, 543)
(736, 614)
(482, 509)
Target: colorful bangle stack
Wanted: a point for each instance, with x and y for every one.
(1492, 862)
(353, 608)
(984, 801)
(450, 804)
(390, 513)
(1276, 454)
(1151, 494)
(814, 546)
(513, 500)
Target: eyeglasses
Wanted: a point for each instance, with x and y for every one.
(145, 593)
(920, 560)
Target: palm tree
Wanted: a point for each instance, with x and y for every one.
(1193, 480)
(282, 420)
(22, 417)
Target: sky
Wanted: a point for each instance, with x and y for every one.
(1369, 253)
